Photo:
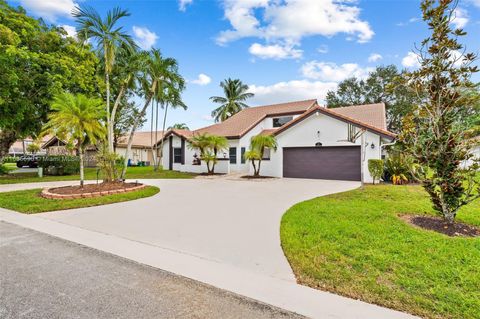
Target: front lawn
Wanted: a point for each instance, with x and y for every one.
(355, 245)
(30, 202)
(145, 172)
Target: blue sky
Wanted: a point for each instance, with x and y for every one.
(283, 49)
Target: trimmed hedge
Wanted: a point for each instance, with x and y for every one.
(60, 165)
(375, 167)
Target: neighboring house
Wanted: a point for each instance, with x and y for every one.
(19, 148)
(313, 141)
(141, 148)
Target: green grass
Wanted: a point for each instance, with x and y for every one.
(30, 202)
(145, 172)
(355, 245)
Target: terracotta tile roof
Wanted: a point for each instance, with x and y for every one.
(340, 116)
(268, 131)
(242, 122)
(140, 139)
(372, 114)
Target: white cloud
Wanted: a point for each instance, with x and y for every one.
(182, 4)
(476, 2)
(290, 21)
(323, 49)
(49, 9)
(374, 57)
(144, 37)
(291, 91)
(71, 31)
(411, 60)
(275, 51)
(460, 18)
(411, 20)
(328, 71)
(202, 79)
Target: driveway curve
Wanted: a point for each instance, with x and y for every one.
(236, 222)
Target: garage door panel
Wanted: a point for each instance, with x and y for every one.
(337, 163)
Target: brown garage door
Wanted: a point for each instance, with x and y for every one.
(336, 162)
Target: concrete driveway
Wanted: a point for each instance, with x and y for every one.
(227, 221)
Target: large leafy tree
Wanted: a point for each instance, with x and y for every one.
(109, 40)
(436, 135)
(382, 85)
(78, 120)
(234, 100)
(36, 62)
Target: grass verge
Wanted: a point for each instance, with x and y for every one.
(30, 202)
(355, 245)
(145, 172)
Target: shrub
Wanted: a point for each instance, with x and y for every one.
(397, 168)
(59, 165)
(375, 167)
(4, 169)
(10, 159)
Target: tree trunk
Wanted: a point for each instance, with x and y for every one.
(109, 120)
(163, 132)
(152, 147)
(134, 127)
(7, 138)
(114, 113)
(254, 167)
(82, 177)
(257, 173)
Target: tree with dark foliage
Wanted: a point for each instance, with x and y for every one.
(436, 135)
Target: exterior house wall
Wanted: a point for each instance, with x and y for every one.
(136, 154)
(317, 128)
(476, 154)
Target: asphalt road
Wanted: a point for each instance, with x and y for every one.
(46, 277)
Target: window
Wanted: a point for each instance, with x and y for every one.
(177, 155)
(242, 150)
(266, 154)
(233, 155)
(352, 133)
(280, 121)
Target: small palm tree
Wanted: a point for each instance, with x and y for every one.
(258, 144)
(77, 120)
(179, 126)
(209, 146)
(233, 102)
(109, 38)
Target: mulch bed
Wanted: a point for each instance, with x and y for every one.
(256, 177)
(440, 226)
(92, 188)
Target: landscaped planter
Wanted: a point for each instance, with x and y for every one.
(50, 192)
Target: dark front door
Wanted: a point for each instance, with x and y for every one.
(335, 162)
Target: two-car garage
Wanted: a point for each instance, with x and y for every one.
(324, 162)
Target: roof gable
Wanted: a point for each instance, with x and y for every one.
(245, 120)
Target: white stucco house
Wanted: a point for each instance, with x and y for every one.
(313, 141)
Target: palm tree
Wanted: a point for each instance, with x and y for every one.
(209, 146)
(109, 39)
(77, 120)
(179, 126)
(160, 81)
(258, 144)
(233, 102)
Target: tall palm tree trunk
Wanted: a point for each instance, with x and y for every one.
(163, 133)
(109, 120)
(134, 128)
(82, 175)
(152, 145)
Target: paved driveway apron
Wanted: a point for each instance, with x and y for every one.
(228, 221)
